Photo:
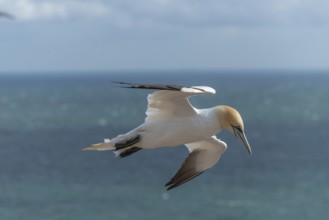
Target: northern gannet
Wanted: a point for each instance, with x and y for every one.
(171, 120)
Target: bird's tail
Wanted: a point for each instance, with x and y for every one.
(121, 149)
(106, 145)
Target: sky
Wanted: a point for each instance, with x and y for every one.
(146, 35)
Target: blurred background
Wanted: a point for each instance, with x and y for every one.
(57, 61)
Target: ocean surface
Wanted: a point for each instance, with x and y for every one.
(45, 121)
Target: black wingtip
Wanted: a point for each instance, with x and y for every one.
(119, 82)
(170, 184)
(122, 84)
(149, 86)
(129, 85)
(173, 184)
(171, 187)
(167, 184)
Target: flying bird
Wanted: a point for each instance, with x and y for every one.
(171, 120)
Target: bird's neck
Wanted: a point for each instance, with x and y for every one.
(222, 111)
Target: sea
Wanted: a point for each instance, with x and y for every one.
(46, 119)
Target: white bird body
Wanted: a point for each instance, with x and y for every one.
(170, 121)
(173, 131)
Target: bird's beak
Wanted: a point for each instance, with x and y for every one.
(242, 137)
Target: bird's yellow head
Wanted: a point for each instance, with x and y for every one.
(231, 120)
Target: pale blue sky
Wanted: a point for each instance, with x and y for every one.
(99, 35)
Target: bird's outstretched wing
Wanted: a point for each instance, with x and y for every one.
(203, 155)
(172, 101)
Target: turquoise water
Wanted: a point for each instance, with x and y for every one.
(46, 120)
